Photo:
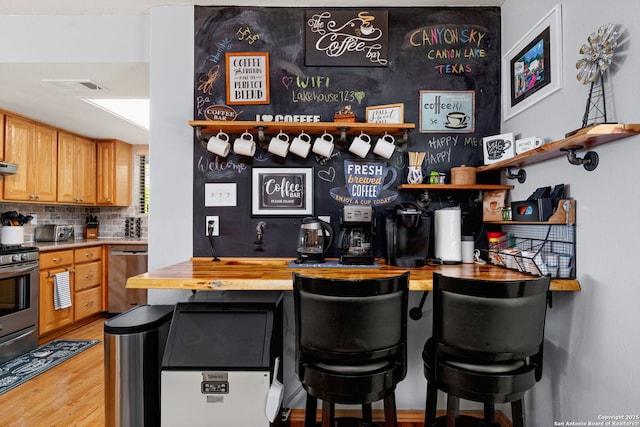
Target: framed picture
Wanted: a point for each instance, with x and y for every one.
(532, 69)
(497, 148)
(390, 113)
(247, 78)
(447, 111)
(282, 191)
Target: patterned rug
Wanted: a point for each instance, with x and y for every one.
(21, 369)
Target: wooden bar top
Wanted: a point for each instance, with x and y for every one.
(275, 274)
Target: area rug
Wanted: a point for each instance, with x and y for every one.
(21, 369)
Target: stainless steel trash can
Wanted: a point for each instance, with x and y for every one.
(134, 344)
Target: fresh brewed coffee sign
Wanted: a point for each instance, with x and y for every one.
(346, 38)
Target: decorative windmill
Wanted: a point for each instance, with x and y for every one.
(598, 54)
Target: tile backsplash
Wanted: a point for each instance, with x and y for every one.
(112, 220)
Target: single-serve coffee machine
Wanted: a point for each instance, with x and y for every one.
(407, 231)
(357, 225)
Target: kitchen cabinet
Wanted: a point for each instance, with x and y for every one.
(87, 299)
(76, 169)
(2, 136)
(34, 148)
(52, 263)
(114, 170)
(85, 281)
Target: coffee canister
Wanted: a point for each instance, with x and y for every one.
(468, 248)
(463, 175)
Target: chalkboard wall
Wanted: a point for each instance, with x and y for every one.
(435, 60)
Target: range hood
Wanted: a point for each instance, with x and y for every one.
(8, 168)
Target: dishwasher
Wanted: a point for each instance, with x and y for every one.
(125, 261)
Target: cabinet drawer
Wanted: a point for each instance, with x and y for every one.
(87, 303)
(88, 275)
(55, 259)
(88, 254)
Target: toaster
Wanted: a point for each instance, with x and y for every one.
(54, 233)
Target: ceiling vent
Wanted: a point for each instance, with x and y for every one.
(77, 85)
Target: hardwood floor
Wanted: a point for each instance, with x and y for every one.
(70, 394)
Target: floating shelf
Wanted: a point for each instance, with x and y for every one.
(449, 187)
(587, 138)
(351, 128)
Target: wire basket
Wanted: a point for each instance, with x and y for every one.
(537, 254)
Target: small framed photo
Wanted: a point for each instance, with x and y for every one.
(247, 78)
(390, 113)
(282, 191)
(532, 69)
(497, 148)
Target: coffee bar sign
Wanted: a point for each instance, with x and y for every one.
(282, 191)
(450, 111)
(346, 37)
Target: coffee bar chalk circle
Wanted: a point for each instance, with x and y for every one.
(366, 183)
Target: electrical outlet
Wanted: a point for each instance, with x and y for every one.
(216, 225)
(34, 220)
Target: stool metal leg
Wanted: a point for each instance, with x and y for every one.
(390, 413)
(517, 412)
(367, 413)
(430, 408)
(489, 413)
(453, 410)
(310, 411)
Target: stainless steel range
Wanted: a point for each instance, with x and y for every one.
(19, 283)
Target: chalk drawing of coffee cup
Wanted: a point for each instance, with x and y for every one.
(367, 29)
(496, 148)
(457, 120)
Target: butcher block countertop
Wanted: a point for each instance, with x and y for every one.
(275, 274)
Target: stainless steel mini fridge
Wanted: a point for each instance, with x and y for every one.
(218, 362)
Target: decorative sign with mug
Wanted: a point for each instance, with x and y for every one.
(448, 111)
(367, 183)
(497, 148)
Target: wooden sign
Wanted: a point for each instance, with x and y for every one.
(247, 78)
(390, 113)
(346, 37)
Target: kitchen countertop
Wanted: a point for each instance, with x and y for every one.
(275, 274)
(81, 243)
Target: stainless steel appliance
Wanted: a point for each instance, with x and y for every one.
(407, 231)
(314, 239)
(125, 261)
(357, 225)
(19, 283)
(54, 233)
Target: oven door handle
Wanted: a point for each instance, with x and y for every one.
(17, 270)
(14, 339)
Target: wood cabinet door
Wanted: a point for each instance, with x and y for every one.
(85, 176)
(114, 173)
(66, 168)
(18, 143)
(43, 165)
(50, 318)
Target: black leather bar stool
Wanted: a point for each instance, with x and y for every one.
(350, 343)
(486, 345)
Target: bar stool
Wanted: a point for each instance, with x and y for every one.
(486, 345)
(350, 343)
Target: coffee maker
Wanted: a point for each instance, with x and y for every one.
(407, 230)
(357, 225)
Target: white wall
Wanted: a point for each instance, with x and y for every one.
(592, 336)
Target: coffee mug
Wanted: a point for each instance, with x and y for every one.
(525, 144)
(361, 145)
(279, 145)
(385, 146)
(323, 145)
(219, 144)
(301, 145)
(457, 119)
(244, 145)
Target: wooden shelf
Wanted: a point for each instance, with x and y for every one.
(587, 137)
(449, 187)
(237, 127)
(559, 217)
